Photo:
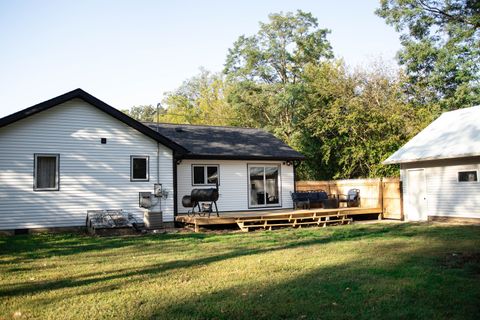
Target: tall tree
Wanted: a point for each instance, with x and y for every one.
(266, 70)
(441, 48)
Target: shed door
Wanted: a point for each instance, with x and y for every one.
(417, 195)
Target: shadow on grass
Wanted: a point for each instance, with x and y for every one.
(26, 247)
(267, 243)
(46, 245)
(264, 242)
(411, 288)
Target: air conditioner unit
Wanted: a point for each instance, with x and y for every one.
(153, 219)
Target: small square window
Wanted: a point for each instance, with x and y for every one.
(139, 168)
(103, 140)
(468, 176)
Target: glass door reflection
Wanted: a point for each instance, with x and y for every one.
(264, 185)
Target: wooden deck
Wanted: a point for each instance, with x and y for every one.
(268, 220)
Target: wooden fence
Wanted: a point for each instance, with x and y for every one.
(382, 193)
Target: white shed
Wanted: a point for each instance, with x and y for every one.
(439, 168)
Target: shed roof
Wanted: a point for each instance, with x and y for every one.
(216, 142)
(455, 134)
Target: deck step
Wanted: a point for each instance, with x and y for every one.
(250, 219)
(294, 218)
(293, 223)
(265, 225)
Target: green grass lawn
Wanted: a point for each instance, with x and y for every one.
(406, 271)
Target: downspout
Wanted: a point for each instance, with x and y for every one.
(174, 165)
(158, 162)
(295, 165)
(158, 155)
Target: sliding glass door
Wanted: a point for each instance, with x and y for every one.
(264, 185)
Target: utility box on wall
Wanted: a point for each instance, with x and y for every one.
(145, 200)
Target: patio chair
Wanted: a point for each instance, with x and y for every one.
(352, 198)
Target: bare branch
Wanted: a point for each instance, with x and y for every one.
(441, 12)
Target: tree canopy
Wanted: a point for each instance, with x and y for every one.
(440, 48)
(142, 112)
(199, 100)
(279, 51)
(266, 71)
(353, 120)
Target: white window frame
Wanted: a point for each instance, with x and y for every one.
(147, 167)
(467, 170)
(57, 171)
(205, 174)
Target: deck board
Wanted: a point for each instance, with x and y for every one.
(251, 219)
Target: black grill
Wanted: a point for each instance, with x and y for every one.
(196, 196)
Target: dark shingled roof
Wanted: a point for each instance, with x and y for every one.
(213, 142)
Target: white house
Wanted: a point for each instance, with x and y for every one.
(440, 167)
(74, 153)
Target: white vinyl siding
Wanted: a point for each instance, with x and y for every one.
(233, 184)
(445, 195)
(93, 175)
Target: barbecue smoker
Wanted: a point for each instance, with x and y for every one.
(207, 198)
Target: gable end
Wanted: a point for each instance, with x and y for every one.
(81, 94)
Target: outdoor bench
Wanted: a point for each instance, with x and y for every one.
(305, 199)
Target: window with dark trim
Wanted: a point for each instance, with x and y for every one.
(205, 174)
(468, 176)
(46, 172)
(139, 168)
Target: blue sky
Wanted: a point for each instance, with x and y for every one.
(130, 52)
